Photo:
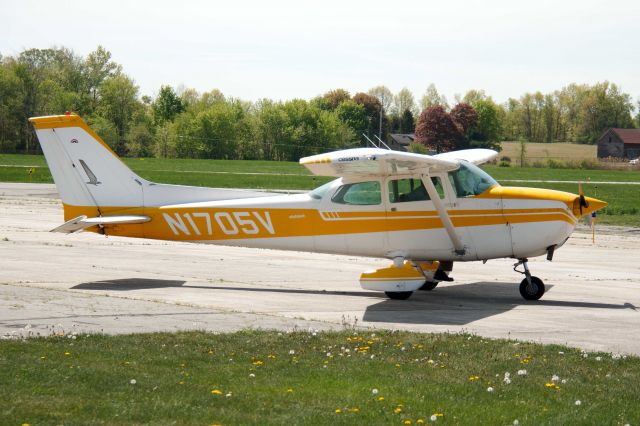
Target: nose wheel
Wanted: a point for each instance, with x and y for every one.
(531, 288)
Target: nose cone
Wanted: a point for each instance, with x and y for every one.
(593, 204)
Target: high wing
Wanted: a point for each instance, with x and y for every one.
(80, 223)
(475, 156)
(381, 162)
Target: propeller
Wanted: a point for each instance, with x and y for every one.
(583, 201)
(588, 218)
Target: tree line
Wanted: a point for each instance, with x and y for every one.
(186, 123)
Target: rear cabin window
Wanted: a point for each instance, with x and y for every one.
(359, 194)
(406, 190)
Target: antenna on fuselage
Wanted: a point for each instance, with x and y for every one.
(370, 141)
(385, 145)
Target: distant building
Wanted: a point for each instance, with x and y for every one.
(619, 143)
(401, 141)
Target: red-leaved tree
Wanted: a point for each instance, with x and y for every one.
(465, 116)
(437, 130)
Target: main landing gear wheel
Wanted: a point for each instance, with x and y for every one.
(533, 290)
(398, 295)
(429, 285)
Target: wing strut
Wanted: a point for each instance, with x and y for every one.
(444, 216)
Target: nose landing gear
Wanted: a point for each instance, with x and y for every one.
(531, 288)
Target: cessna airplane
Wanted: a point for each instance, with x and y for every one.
(422, 212)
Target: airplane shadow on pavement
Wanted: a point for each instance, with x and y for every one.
(460, 304)
(449, 304)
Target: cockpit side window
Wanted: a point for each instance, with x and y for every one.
(361, 194)
(469, 180)
(405, 190)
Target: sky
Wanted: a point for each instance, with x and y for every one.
(284, 49)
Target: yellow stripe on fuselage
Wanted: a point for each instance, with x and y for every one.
(185, 224)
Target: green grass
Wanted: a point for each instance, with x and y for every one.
(301, 378)
(623, 209)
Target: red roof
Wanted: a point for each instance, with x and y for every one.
(628, 135)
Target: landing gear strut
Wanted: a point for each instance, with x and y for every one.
(531, 288)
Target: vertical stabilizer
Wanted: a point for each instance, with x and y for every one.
(86, 171)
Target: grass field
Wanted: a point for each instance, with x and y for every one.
(255, 377)
(624, 200)
(543, 151)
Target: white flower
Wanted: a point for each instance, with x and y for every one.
(433, 418)
(291, 352)
(328, 353)
(403, 348)
(522, 372)
(564, 381)
(489, 389)
(507, 381)
(373, 356)
(560, 353)
(555, 378)
(374, 391)
(615, 356)
(516, 422)
(252, 375)
(133, 381)
(598, 358)
(228, 395)
(578, 402)
(585, 355)
(507, 374)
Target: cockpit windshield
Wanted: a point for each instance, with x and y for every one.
(469, 180)
(319, 192)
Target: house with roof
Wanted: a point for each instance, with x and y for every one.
(401, 141)
(619, 143)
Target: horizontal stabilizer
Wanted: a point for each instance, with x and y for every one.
(81, 223)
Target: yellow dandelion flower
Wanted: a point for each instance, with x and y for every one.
(67, 353)
(549, 385)
(290, 390)
(354, 410)
(420, 421)
(473, 378)
(181, 382)
(25, 424)
(338, 411)
(216, 392)
(397, 365)
(381, 398)
(407, 422)
(397, 410)
(258, 362)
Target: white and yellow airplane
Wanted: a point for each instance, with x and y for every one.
(422, 212)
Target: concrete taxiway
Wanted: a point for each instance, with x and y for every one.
(55, 283)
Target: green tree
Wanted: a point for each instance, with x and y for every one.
(332, 99)
(404, 101)
(167, 105)
(353, 115)
(488, 129)
(118, 103)
(431, 97)
(97, 68)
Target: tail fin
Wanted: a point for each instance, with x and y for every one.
(86, 171)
